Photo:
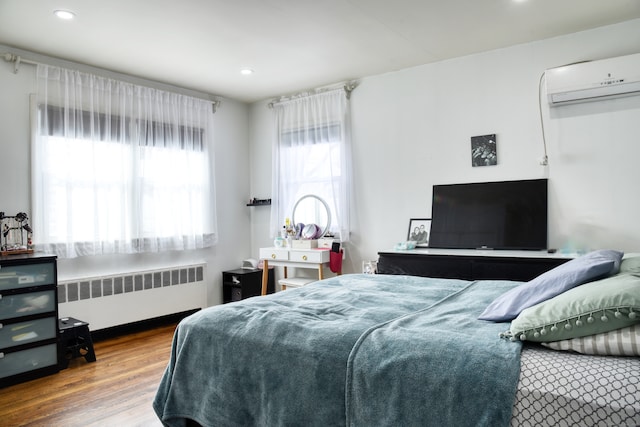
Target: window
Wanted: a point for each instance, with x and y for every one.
(119, 168)
(312, 156)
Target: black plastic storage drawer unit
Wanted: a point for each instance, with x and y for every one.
(28, 318)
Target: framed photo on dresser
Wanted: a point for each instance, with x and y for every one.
(419, 230)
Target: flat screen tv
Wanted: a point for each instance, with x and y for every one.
(490, 215)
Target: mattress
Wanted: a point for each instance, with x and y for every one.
(559, 388)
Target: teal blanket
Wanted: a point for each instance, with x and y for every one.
(356, 350)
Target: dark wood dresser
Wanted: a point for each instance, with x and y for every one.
(470, 264)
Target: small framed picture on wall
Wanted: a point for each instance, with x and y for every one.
(419, 229)
(484, 150)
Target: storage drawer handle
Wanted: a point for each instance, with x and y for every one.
(304, 257)
(273, 256)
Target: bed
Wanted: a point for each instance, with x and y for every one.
(364, 350)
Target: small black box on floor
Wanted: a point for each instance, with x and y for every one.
(244, 283)
(75, 341)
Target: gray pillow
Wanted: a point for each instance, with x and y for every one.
(592, 266)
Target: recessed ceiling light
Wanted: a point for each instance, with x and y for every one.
(246, 71)
(64, 14)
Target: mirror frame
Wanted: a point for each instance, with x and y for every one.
(326, 208)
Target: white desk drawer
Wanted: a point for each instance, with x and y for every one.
(274, 254)
(314, 256)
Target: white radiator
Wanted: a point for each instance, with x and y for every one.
(118, 299)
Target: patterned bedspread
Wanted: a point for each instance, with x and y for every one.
(558, 388)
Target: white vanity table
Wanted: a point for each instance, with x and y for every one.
(299, 258)
(312, 217)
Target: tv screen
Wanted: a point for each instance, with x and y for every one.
(493, 215)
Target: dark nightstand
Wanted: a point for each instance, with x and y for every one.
(243, 283)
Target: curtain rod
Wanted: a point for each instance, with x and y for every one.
(347, 87)
(17, 60)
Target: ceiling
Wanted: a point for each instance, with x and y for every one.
(292, 45)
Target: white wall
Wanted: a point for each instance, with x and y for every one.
(412, 129)
(231, 165)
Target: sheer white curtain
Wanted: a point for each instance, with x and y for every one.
(119, 168)
(312, 155)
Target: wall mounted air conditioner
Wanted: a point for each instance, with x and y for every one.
(595, 80)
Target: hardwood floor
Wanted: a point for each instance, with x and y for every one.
(116, 390)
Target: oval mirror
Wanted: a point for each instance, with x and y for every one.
(311, 209)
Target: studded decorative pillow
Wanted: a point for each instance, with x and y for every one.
(600, 306)
(592, 266)
(621, 342)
